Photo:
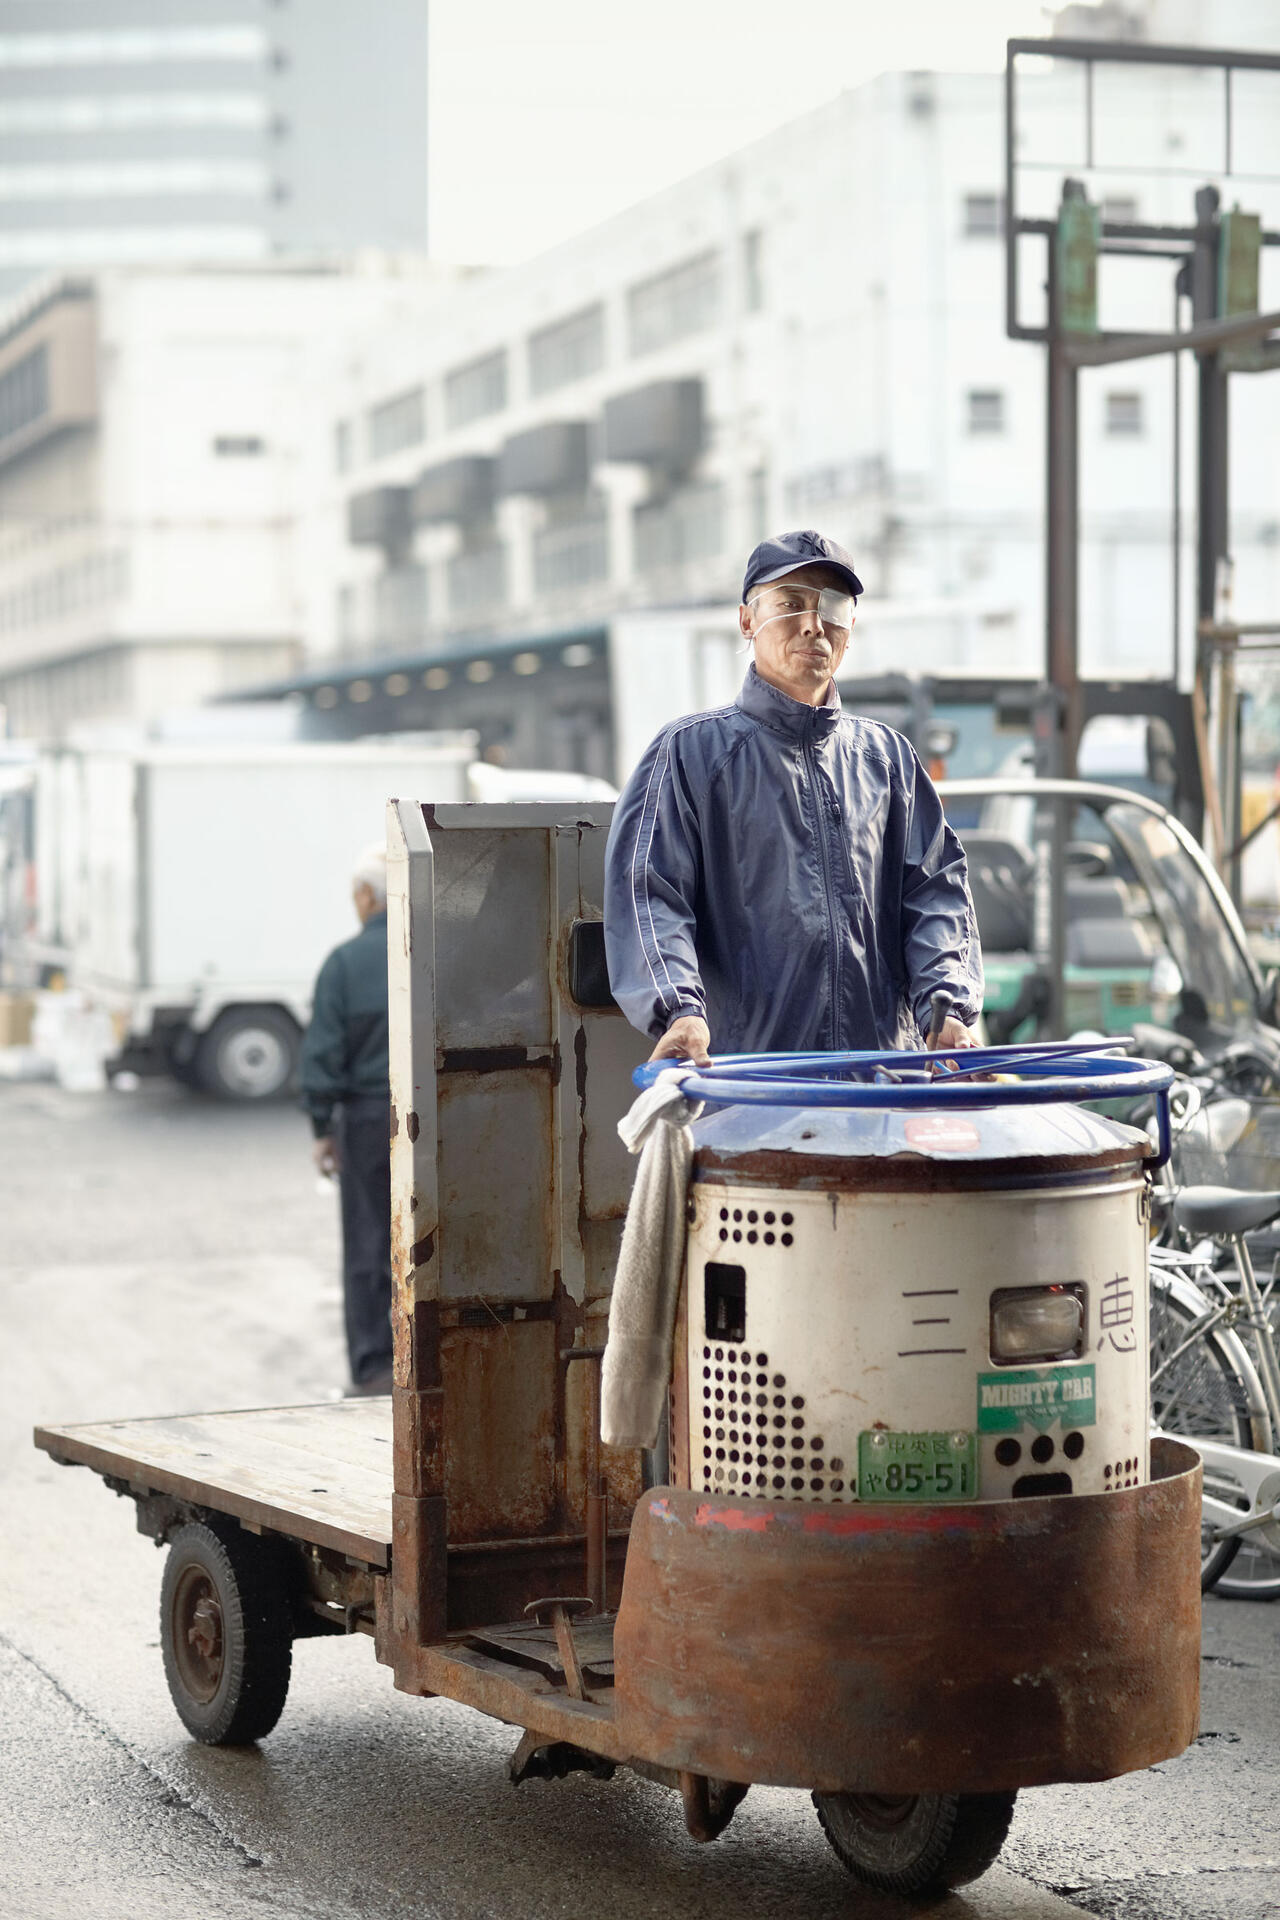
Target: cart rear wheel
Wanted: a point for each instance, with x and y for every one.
(913, 1843)
(226, 1633)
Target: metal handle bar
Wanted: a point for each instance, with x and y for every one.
(1045, 1075)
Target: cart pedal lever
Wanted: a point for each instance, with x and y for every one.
(559, 1611)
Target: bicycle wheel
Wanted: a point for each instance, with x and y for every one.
(1199, 1388)
(1254, 1573)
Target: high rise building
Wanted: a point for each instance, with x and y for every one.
(152, 131)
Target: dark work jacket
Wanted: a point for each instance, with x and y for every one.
(786, 872)
(345, 1048)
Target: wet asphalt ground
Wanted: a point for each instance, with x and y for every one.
(160, 1254)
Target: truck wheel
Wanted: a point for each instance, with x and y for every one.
(226, 1634)
(249, 1053)
(912, 1843)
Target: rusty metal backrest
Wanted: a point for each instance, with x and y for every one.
(509, 1183)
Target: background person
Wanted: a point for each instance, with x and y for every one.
(779, 875)
(345, 1084)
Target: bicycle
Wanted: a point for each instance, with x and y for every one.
(1215, 1380)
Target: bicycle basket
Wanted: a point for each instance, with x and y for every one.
(1230, 1143)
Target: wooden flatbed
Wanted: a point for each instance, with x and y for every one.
(319, 1474)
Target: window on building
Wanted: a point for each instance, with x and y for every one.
(24, 392)
(1120, 210)
(757, 505)
(132, 46)
(567, 350)
(571, 548)
(133, 179)
(986, 410)
(673, 304)
(983, 215)
(753, 270)
(345, 609)
(685, 525)
(342, 447)
(477, 582)
(108, 246)
(88, 113)
(400, 606)
(475, 390)
(397, 423)
(239, 445)
(1124, 413)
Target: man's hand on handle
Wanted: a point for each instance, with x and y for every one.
(955, 1034)
(687, 1038)
(324, 1152)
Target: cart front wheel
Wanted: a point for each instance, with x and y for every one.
(913, 1843)
(225, 1633)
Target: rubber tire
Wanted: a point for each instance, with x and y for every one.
(1220, 1411)
(210, 1071)
(944, 1839)
(250, 1578)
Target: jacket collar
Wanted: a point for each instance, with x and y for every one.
(781, 714)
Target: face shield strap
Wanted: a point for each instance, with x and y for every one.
(834, 608)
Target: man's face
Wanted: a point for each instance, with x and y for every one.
(795, 649)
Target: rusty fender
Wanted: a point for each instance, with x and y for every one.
(899, 1649)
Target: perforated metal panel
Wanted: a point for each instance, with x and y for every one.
(813, 1318)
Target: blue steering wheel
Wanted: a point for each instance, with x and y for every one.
(1064, 1070)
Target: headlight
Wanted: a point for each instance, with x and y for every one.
(1037, 1323)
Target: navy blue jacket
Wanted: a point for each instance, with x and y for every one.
(344, 1050)
(786, 872)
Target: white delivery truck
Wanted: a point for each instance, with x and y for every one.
(193, 891)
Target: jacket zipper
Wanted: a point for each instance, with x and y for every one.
(824, 854)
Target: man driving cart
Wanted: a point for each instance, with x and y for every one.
(780, 875)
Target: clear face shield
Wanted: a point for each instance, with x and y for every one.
(834, 609)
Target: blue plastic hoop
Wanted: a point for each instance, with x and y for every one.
(1049, 1073)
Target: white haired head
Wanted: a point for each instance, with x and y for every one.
(371, 872)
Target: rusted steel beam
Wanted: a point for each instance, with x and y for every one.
(709, 1805)
(970, 1648)
(418, 1566)
(521, 1698)
(419, 1570)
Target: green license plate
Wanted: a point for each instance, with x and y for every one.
(917, 1466)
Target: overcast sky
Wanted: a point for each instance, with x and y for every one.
(547, 116)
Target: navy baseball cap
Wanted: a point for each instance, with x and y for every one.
(774, 558)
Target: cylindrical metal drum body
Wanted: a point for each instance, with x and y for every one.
(884, 1305)
(916, 1536)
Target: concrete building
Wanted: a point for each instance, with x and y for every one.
(809, 333)
(145, 131)
(153, 427)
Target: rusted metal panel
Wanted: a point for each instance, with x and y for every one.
(614, 1050)
(501, 1419)
(905, 1173)
(495, 1174)
(491, 933)
(419, 1574)
(509, 1186)
(970, 1648)
(520, 1696)
(493, 1581)
(417, 1602)
(419, 1441)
